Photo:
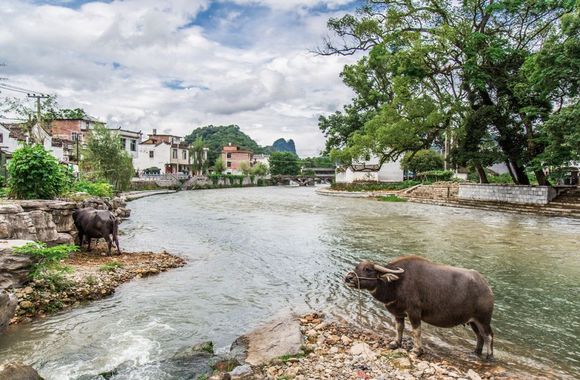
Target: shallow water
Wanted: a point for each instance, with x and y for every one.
(256, 252)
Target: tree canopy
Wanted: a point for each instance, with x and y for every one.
(491, 81)
(284, 163)
(216, 137)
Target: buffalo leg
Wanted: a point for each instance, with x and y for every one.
(80, 239)
(117, 243)
(416, 325)
(109, 242)
(487, 334)
(400, 325)
(479, 346)
(89, 244)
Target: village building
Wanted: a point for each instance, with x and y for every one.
(129, 141)
(261, 158)
(163, 154)
(370, 171)
(233, 156)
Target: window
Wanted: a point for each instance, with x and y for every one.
(75, 136)
(229, 155)
(123, 142)
(184, 154)
(133, 145)
(229, 164)
(1, 137)
(151, 154)
(174, 153)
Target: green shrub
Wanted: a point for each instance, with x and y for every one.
(3, 192)
(47, 259)
(422, 161)
(215, 178)
(98, 189)
(435, 175)
(373, 186)
(35, 174)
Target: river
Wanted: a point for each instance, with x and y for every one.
(257, 252)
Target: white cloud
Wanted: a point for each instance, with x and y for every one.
(115, 60)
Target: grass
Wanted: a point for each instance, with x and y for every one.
(391, 198)
(111, 266)
(285, 358)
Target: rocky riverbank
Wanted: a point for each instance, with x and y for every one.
(90, 276)
(338, 350)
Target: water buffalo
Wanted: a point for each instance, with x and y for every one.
(93, 223)
(440, 295)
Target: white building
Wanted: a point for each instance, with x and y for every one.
(167, 153)
(129, 141)
(261, 158)
(371, 171)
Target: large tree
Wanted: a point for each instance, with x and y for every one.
(284, 163)
(470, 73)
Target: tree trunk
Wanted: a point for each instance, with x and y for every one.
(481, 172)
(511, 171)
(541, 177)
(520, 174)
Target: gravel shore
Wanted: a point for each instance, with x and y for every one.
(91, 276)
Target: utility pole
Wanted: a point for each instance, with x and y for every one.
(38, 116)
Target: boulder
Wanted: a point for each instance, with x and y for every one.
(273, 340)
(18, 371)
(14, 268)
(8, 304)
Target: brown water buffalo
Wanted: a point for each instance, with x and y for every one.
(440, 295)
(93, 223)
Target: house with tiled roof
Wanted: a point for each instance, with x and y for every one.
(233, 156)
(169, 154)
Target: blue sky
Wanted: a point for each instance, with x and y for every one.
(176, 65)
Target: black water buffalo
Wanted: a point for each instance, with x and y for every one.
(440, 295)
(93, 223)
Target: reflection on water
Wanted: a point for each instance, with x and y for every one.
(257, 252)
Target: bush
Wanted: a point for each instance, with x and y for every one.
(392, 198)
(35, 174)
(373, 186)
(98, 189)
(435, 175)
(422, 161)
(48, 259)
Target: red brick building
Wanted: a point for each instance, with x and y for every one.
(233, 156)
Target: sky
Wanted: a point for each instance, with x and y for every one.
(176, 65)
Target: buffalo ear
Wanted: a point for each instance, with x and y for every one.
(390, 277)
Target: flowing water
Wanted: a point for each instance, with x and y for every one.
(257, 252)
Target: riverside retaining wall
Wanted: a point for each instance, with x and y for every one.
(535, 195)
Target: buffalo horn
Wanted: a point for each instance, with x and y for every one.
(387, 270)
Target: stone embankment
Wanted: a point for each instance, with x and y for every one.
(49, 221)
(338, 350)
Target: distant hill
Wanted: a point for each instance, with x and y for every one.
(217, 136)
(282, 145)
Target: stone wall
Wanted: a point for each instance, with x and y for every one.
(49, 221)
(441, 190)
(535, 195)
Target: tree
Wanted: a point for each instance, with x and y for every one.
(318, 162)
(198, 157)
(35, 174)
(284, 163)
(245, 168)
(259, 169)
(472, 72)
(104, 158)
(219, 165)
(422, 161)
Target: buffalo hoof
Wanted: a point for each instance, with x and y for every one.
(417, 351)
(489, 358)
(394, 345)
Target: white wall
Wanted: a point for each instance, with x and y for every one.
(10, 144)
(389, 172)
(162, 155)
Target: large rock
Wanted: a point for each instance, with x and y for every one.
(8, 304)
(273, 340)
(14, 269)
(18, 371)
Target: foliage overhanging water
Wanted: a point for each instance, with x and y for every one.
(257, 252)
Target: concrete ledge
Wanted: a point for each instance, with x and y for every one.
(344, 194)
